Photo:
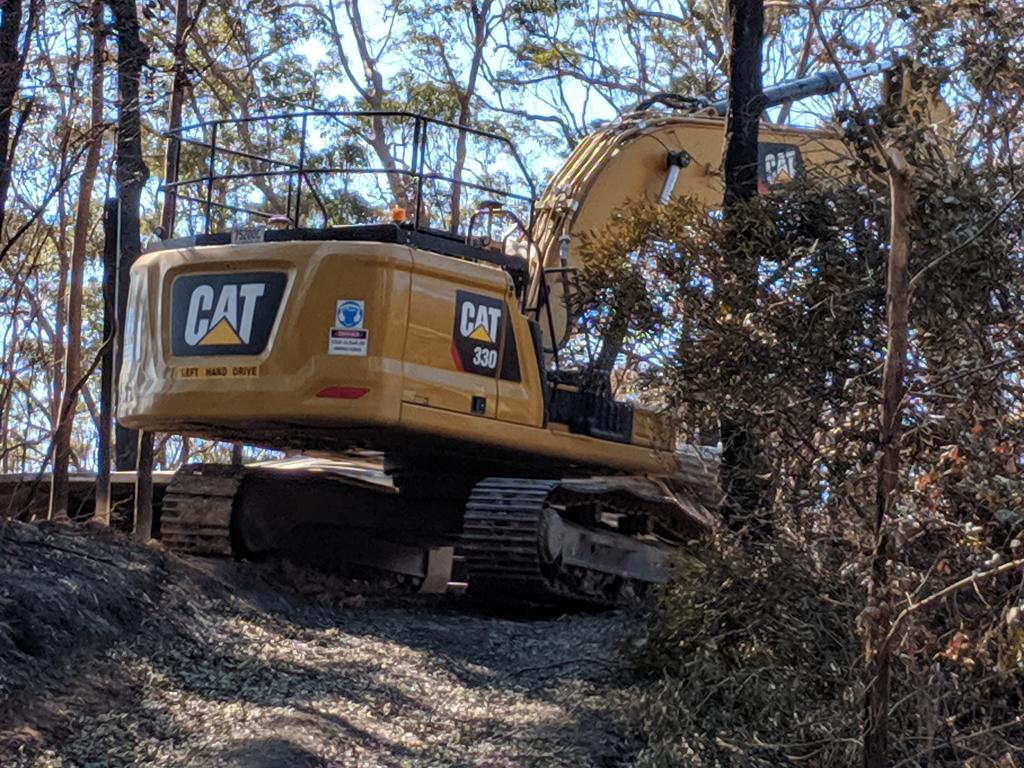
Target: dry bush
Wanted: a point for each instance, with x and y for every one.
(752, 656)
(778, 316)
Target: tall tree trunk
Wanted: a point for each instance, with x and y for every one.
(106, 420)
(742, 474)
(454, 203)
(60, 320)
(11, 64)
(131, 177)
(876, 618)
(181, 23)
(479, 16)
(746, 100)
(132, 172)
(73, 351)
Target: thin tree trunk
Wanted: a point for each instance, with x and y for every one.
(106, 420)
(182, 23)
(131, 177)
(178, 88)
(748, 499)
(454, 204)
(876, 617)
(73, 314)
(60, 320)
(480, 16)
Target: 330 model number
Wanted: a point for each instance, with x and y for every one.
(484, 357)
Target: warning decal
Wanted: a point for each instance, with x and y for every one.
(348, 341)
(479, 322)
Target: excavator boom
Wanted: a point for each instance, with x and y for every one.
(662, 155)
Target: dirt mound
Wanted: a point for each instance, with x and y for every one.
(62, 593)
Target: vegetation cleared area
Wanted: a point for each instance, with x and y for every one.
(117, 654)
(851, 343)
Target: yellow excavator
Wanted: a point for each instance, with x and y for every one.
(426, 361)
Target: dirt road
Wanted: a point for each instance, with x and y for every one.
(163, 661)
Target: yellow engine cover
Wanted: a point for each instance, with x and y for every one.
(330, 345)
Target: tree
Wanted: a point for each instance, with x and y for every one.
(73, 351)
(12, 63)
(183, 22)
(747, 500)
(435, 31)
(131, 178)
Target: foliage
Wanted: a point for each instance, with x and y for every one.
(802, 359)
(752, 658)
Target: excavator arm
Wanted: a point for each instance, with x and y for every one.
(649, 154)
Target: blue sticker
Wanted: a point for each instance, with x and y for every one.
(349, 314)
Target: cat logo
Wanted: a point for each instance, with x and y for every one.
(224, 314)
(780, 164)
(477, 333)
(479, 321)
(231, 321)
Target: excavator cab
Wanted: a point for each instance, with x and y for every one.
(492, 226)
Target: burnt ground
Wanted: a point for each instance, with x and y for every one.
(112, 654)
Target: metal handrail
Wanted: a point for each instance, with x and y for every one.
(344, 169)
(302, 174)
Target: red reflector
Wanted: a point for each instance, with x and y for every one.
(345, 393)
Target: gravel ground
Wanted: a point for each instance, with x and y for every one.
(220, 663)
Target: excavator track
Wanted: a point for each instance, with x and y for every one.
(317, 512)
(514, 538)
(571, 543)
(196, 511)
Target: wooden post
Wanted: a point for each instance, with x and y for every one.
(143, 528)
(110, 214)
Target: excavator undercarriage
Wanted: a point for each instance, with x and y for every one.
(594, 543)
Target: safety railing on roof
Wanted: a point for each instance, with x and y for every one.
(284, 169)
